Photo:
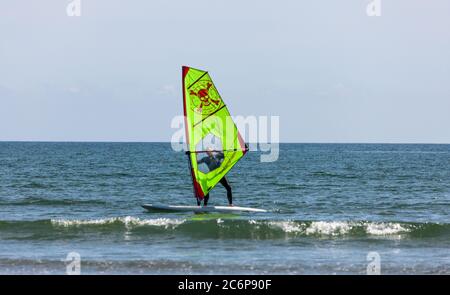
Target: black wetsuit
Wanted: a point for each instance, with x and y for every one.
(213, 162)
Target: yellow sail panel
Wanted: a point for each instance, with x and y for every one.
(213, 140)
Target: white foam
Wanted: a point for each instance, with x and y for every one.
(329, 228)
(337, 228)
(385, 228)
(127, 221)
(287, 226)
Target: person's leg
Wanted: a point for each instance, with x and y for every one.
(205, 200)
(227, 186)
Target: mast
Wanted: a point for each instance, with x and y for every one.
(184, 71)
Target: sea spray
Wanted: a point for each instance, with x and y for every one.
(127, 221)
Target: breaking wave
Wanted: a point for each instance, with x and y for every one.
(340, 228)
(220, 228)
(128, 221)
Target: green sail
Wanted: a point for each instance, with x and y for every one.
(209, 130)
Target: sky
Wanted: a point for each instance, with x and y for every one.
(327, 69)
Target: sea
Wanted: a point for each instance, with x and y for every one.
(75, 207)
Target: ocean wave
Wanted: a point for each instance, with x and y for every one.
(114, 174)
(42, 201)
(128, 221)
(329, 228)
(36, 185)
(386, 228)
(286, 226)
(339, 228)
(221, 228)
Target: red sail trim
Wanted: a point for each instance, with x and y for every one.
(185, 70)
(184, 73)
(242, 143)
(197, 188)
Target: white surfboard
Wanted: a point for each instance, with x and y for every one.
(201, 209)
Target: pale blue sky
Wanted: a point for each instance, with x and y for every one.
(329, 71)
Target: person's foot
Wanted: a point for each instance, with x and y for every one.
(230, 205)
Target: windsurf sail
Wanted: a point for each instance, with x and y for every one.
(213, 141)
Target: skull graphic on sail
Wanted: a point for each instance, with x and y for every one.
(204, 97)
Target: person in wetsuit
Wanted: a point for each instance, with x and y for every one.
(213, 162)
